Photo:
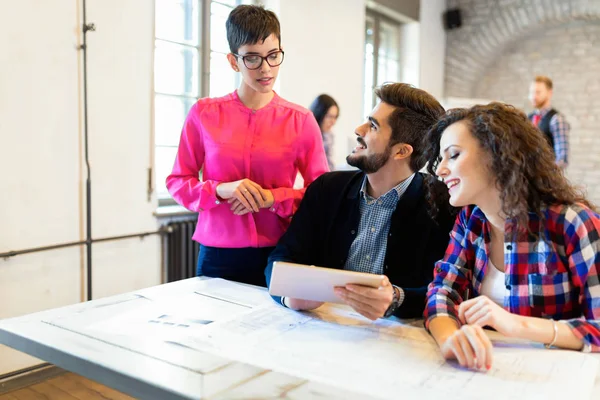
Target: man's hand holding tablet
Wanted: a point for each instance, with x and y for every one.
(301, 305)
(305, 287)
(368, 301)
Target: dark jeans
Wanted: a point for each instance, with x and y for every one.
(246, 265)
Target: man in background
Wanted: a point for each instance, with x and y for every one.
(548, 120)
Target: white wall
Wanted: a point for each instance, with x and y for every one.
(120, 72)
(432, 40)
(41, 162)
(324, 45)
(38, 124)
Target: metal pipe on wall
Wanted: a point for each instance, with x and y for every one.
(88, 183)
(140, 235)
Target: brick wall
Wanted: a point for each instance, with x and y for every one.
(504, 43)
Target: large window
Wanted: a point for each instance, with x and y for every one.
(189, 62)
(382, 55)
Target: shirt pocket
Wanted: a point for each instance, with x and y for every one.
(542, 259)
(549, 293)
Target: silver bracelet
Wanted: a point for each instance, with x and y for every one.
(555, 327)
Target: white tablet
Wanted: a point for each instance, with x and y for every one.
(308, 282)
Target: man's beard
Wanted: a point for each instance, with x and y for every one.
(371, 163)
(540, 104)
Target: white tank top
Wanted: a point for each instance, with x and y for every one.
(493, 285)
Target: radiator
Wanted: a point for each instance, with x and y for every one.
(180, 251)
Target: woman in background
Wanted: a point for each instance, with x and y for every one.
(524, 253)
(326, 112)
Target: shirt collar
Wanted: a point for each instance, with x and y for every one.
(273, 103)
(543, 111)
(399, 190)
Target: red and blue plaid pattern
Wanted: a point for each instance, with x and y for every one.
(551, 272)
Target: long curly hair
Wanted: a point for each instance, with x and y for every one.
(522, 162)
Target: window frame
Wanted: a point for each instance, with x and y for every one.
(203, 50)
(378, 18)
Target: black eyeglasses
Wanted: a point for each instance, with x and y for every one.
(254, 61)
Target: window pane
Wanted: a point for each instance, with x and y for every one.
(169, 116)
(381, 71)
(369, 60)
(384, 74)
(222, 77)
(393, 71)
(176, 69)
(177, 20)
(220, 10)
(370, 31)
(389, 40)
(230, 3)
(388, 70)
(368, 99)
(164, 158)
(218, 33)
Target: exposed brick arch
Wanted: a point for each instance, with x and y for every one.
(491, 25)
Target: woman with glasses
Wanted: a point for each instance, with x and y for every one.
(248, 146)
(326, 111)
(524, 253)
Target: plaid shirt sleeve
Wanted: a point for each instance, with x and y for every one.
(560, 129)
(582, 241)
(452, 274)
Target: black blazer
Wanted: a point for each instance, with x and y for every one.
(326, 224)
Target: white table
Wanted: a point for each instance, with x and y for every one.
(105, 341)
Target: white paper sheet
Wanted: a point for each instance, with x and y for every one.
(338, 347)
(238, 293)
(333, 345)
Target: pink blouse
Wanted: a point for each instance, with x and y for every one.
(228, 142)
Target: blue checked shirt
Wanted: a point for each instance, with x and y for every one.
(367, 252)
(559, 127)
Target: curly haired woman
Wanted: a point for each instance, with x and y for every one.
(525, 247)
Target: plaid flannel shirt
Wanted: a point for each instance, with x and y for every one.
(554, 275)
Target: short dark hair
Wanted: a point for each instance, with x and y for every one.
(416, 112)
(248, 24)
(321, 105)
(545, 80)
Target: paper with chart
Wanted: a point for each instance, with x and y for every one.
(153, 323)
(338, 347)
(171, 315)
(169, 318)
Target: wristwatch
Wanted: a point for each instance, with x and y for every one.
(397, 301)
